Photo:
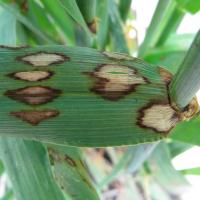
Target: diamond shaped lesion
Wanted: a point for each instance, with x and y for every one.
(34, 117)
(43, 59)
(34, 95)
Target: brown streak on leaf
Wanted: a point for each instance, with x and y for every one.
(70, 161)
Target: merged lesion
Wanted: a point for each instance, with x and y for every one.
(113, 82)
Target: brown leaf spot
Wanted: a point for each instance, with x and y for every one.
(93, 26)
(113, 82)
(43, 59)
(35, 117)
(33, 95)
(159, 117)
(166, 75)
(31, 76)
(70, 161)
(54, 156)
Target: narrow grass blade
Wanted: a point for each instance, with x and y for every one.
(103, 22)
(7, 22)
(163, 171)
(186, 82)
(88, 10)
(61, 19)
(124, 8)
(172, 25)
(117, 35)
(131, 161)
(13, 10)
(73, 10)
(28, 167)
(177, 148)
(164, 11)
(39, 17)
(70, 172)
(140, 155)
(192, 6)
(192, 171)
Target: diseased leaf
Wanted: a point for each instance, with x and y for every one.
(76, 105)
(71, 173)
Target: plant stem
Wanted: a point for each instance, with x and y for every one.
(187, 82)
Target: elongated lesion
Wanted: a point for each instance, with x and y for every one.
(113, 82)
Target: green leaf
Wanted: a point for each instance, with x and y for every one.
(103, 22)
(27, 165)
(124, 8)
(61, 19)
(117, 35)
(192, 6)
(177, 148)
(187, 131)
(16, 14)
(39, 17)
(192, 171)
(73, 10)
(7, 22)
(71, 173)
(162, 16)
(88, 9)
(76, 111)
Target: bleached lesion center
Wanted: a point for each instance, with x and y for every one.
(43, 59)
(32, 76)
(119, 78)
(161, 118)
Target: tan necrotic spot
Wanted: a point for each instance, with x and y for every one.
(35, 117)
(158, 117)
(166, 75)
(34, 95)
(31, 76)
(42, 59)
(115, 81)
